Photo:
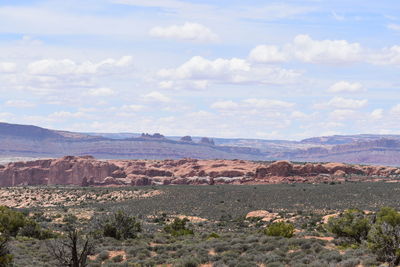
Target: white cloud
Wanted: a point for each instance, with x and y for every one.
(70, 67)
(67, 115)
(187, 32)
(342, 103)
(133, 108)
(229, 104)
(267, 103)
(308, 50)
(253, 106)
(267, 54)
(298, 115)
(103, 91)
(234, 71)
(196, 84)
(19, 104)
(342, 114)
(395, 110)
(156, 97)
(395, 27)
(8, 67)
(200, 68)
(344, 86)
(377, 114)
(29, 41)
(388, 56)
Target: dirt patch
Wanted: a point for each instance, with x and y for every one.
(192, 219)
(263, 214)
(325, 238)
(326, 218)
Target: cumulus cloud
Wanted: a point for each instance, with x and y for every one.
(388, 56)
(347, 87)
(308, 50)
(103, 91)
(220, 70)
(19, 104)
(156, 97)
(70, 67)
(267, 103)
(132, 107)
(377, 114)
(228, 104)
(342, 103)
(252, 105)
(7, 67)
(67, 115)
(267, 54)
(395, 110)
(187, 32)
(342, 114)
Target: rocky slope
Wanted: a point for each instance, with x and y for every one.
(89, 171)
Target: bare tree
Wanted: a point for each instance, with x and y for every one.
(71, 251)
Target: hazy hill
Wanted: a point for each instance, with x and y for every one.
(32, 141)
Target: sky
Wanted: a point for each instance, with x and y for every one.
(233, 69)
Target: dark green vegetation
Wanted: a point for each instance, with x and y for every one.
(153, 231)
(280, 229)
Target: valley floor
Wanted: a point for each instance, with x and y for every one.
(222, 233)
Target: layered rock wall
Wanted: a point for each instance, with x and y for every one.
(86, 171)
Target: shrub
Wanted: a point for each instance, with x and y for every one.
(353, 224)
(121, 226)
(280, 229)
(178, 227)
(213, 235)
(118, 258)
(104, 255)
(10, 221)
(188, 262)
(5, 256)
(33, 229)
(384, 237)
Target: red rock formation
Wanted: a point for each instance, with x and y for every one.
(89, 171)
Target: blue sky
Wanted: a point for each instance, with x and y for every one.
(255, 69)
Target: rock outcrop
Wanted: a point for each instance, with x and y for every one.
(87, 171)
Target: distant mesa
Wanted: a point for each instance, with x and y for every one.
(207, 141)
(186, 138)
(153, 136)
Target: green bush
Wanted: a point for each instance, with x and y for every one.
(118, 258)
(384, 237)
(352, 224)
(280, 229)
(5, 256)
(188, 262)
(104, 255)
(33, 229)
(121, 226)
(10, 221)
(178, 227)
(213, 235)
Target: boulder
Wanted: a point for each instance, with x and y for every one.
(280, 168)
